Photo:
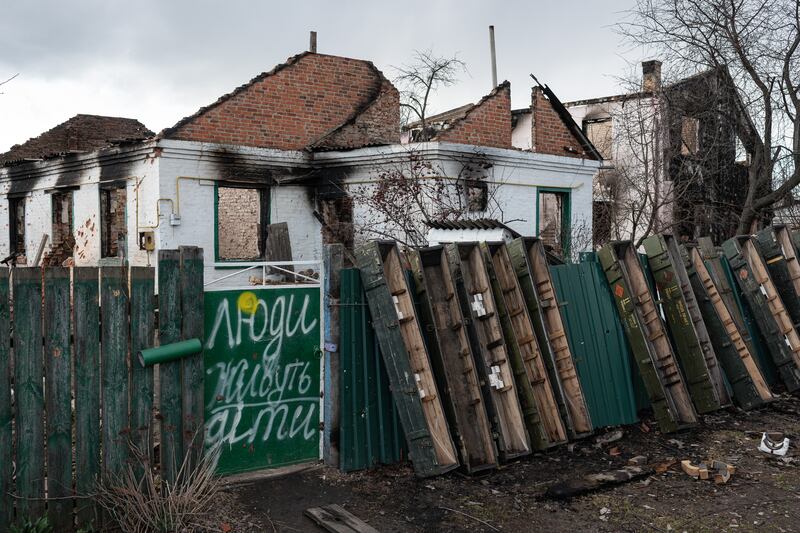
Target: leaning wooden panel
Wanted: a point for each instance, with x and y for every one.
(29, 391)
(750, 389)
(520, 261)
(6, 412)
(789, 242)
(413, 385)
(580, 424)
(775, 257)
(712, 256)
(692, 345)
(542, 416)
(659, 370)
(58, 396)
(475, 297)
(452, 360)
(773, 320)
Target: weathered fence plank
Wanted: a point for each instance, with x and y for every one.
(58, 395)
(142, 280)
(114, 364)
(191, 282)
(169, 330)
(6, 414)
(86, 312)
(27, 283)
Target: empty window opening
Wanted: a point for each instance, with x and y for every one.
(337, 221)
(63, 241)
(599, 133)
(553, 225)
(16, 215)
(113, 222)
(690, 143)
(601, 222)
(242, 220)
(477, 196)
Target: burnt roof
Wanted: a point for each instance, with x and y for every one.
(81, 133)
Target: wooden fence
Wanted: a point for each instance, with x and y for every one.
(74, 400)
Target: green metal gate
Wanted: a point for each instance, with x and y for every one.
(262, 382)
(370, 431)
(599, 347)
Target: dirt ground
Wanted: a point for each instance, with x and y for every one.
(763, 494)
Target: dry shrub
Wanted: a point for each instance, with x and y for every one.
(141, 503)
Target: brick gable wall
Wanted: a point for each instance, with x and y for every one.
(488, 123)
(549, 133)
(347, 101)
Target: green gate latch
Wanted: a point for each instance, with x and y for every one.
(170, 352)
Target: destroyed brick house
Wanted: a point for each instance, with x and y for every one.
(289, 146)
(691, 139)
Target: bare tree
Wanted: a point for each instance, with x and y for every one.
(400, 200)
(755, 43)
(419, 80)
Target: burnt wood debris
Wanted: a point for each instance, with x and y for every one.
(484, 364)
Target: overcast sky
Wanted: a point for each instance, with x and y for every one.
(160, 61)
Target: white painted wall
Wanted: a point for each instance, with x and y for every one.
(514, 176)
(521, 135)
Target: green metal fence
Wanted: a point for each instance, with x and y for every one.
(601, 351)
(369, 431)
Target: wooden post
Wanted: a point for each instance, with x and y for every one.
(191, 286)
(169, 330)
(114, 345)
(86, 313)
(142, 287)
(333, 261)
(58, 397)
(6, 467)
(29, 396)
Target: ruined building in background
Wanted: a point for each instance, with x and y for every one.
(314, 143)
(675, 157)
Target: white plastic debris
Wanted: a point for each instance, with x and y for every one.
(773, 447)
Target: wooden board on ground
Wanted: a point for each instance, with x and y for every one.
(335, 519)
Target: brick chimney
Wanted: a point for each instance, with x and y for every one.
(651, 75)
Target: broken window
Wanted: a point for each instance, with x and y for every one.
(553, 224)
(599, 132)
(477, 195)
(601, 222)
(16, 226)
(690, 128)
(337, 221)
(62, 218)
(113, 222)
(242, 220)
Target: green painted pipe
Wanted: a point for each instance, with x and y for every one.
(170, 352)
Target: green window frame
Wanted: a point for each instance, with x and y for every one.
(566, 215)
(266, 204)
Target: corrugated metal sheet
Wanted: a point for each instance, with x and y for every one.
(370, 432)
(600, 349)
